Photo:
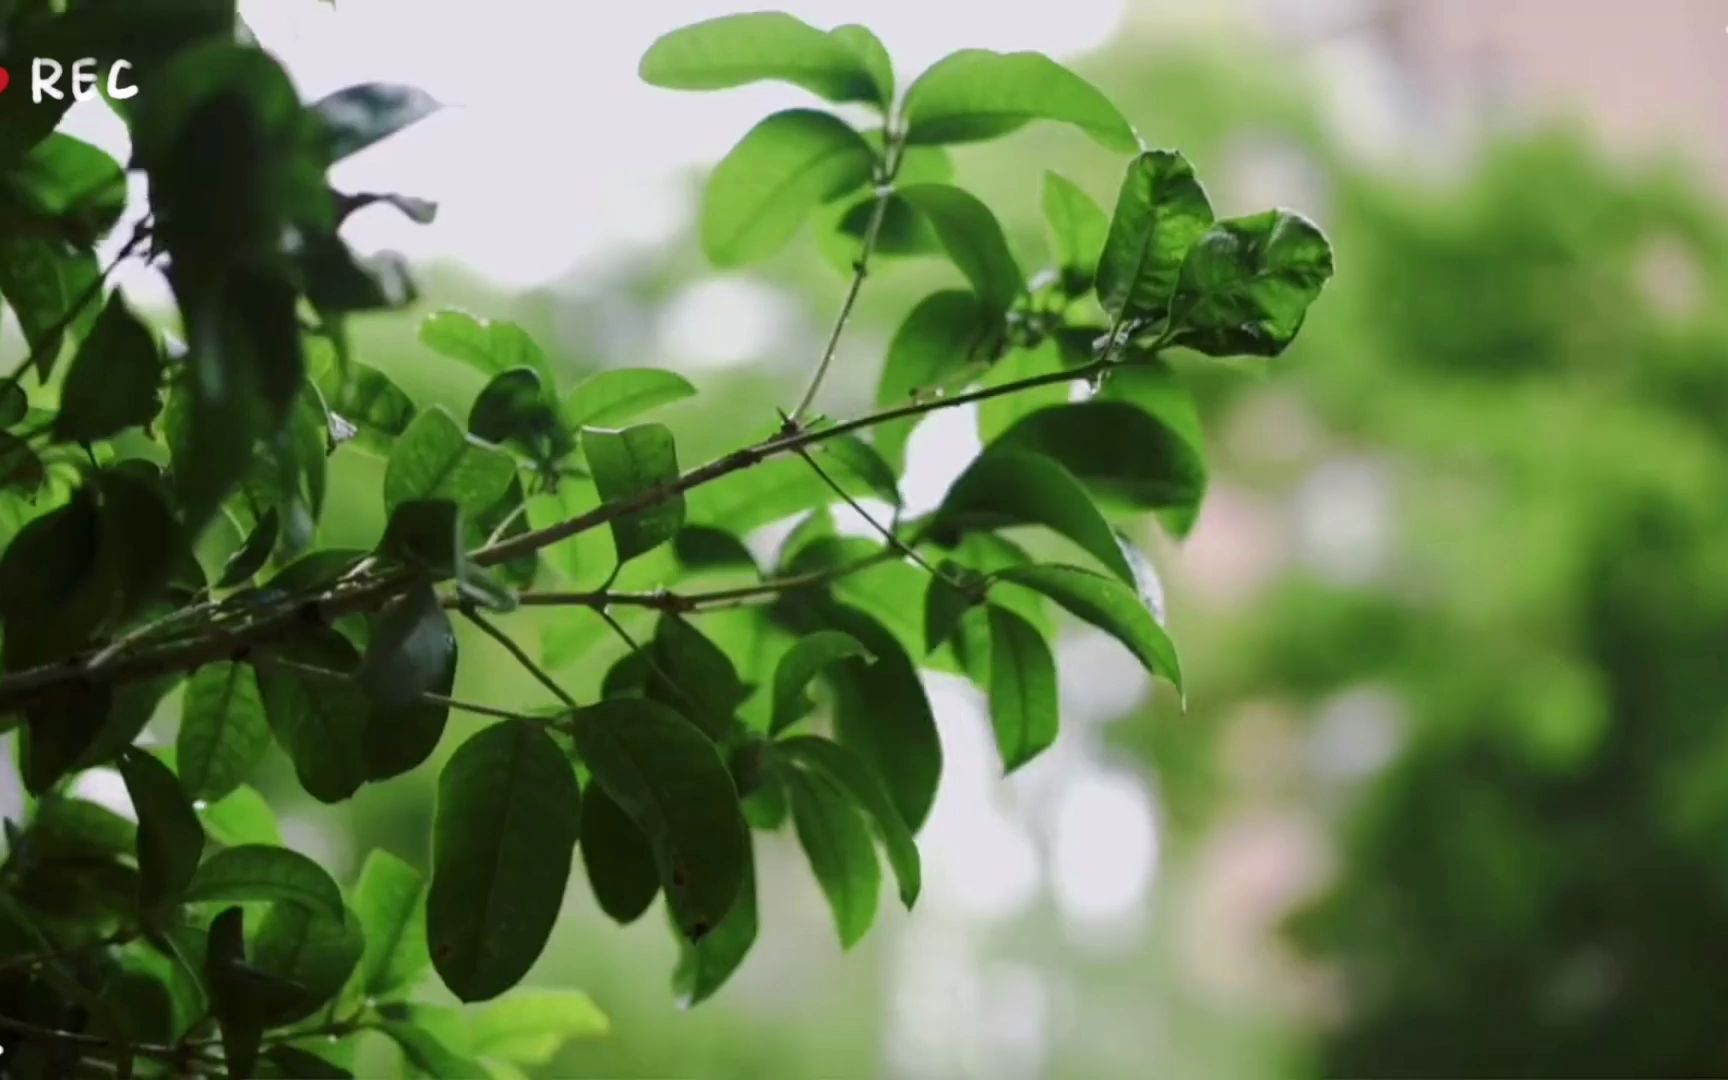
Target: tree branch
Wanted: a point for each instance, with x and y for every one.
(367, 593)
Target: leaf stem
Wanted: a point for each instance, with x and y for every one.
(493, 631)
(887, 534)
(891, 154)
(337, 678)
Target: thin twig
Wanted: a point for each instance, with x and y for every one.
(492, 631)
(338, 678)
(860, 270)
(19, 688)
(887, 534)
(175, 1054)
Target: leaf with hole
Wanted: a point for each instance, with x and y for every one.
(669, 780)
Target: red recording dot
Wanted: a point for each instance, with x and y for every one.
(5, 78)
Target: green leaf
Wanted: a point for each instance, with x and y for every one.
(1119, 449)
(1246, 284)
(946, 602)
(1107, 604)
(302, 1064)
(254, 872)
(1078, 227)
(55, 586)
(998, 414)
(114, 380)
(429, 1054)
(390, 903)
(515, 409)
(768, 184)
(616, 855)
(410, 649)
(977, 94)
(14, 405)
(611, 397)
(20, 467)
(875, 57)
(76, 828)
(358, 116)
(734, 50)
(232, 997)
(241, 817)
(366, 398)
(66, 187)
(312, 950)
(1160, 213)
(223, 730)
(1023, 704)
(883, 715)
(1006, 487)
(691, 674)
(851, 776)
(322, 725)
(504, 831)
(251, 555)
(170, 839)
(802, 663)
(43, 282)
(490, 346)
(668, 779)
(704, 966)
(530, 1025)
(945, 339)
(628, 466)
(973, 239)
(840, 853)
(858, 459)
(434, 459)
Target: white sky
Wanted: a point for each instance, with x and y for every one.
(552, 151)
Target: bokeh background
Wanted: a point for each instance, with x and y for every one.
(1451, 793)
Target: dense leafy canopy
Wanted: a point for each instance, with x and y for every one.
(160, 516)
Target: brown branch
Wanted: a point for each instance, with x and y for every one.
(365, 594)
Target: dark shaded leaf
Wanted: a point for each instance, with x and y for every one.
(254, 872)
(691, 674)
(704, 966)
(1246, 284)
(618, 860)
(251, 555)
(114, 379)
(668, 779)
(410, 649)
(505, 828)
(514, 408)
(322, 725)
(170, 839)
(313, 951)
(223, 731)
